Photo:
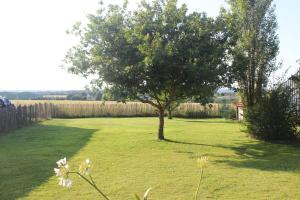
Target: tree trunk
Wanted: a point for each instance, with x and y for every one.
(161, 124)
(170, 113)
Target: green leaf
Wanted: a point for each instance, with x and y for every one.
(146, 194)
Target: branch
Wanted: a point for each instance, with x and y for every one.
(158, 100)
(149, 102)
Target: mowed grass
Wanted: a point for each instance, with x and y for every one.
(127, 158)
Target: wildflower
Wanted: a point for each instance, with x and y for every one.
(85, 167)
(57, 171)
(63, 173)
(68, 183)
(62, 162)
(203, 162)
(65, 182)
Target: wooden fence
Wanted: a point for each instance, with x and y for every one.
(131, 109)
(28, 112)
(83, 109)
(293, 83)
(15, 117)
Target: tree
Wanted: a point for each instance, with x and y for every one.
(158, 54)
(255, 44)
(77, 96)
(172, 108)
(114, 94)
(94, 91)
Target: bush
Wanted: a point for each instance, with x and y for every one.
(232, 114)
(275, 117)
(197, 114)
(227, 112)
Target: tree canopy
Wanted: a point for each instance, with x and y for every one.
(157, 54)
(254, 45)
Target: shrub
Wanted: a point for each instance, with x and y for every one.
(197, 114)
(227, 111)
(232, 114)
(275, 117)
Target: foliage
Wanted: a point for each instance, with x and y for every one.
(227, 111)
(158, 54)
(94, 90)
(120, 148)
(198, 114)
(114, 94)
(275, 117)
(254, 45)
(232, 114)
(145, 196)
(171, 108)
(228, 98)
(77, 96)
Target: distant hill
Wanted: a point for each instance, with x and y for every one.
(27, 95)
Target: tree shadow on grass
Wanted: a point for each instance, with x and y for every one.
(192, 143)
(265, 156)
(28, 156)
(211, 121)
(255, 154)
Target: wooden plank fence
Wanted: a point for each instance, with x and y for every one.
(15, 117)
(294, 84)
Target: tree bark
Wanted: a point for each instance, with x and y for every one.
(161, 124)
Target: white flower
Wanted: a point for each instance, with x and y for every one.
(62, 162)
(68, 183)
(65, 182)
(85, 167)
(202, 162)
(57, 171)
(87, 171)
(62, 172)
(61, 181)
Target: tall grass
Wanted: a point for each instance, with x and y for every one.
(81, 109)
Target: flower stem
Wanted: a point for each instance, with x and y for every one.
(92, 179)
(200, 180)
(92, 183)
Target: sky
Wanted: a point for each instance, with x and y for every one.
(33, 39)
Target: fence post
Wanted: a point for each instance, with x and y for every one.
(35, 112)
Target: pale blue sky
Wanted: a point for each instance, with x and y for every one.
(33, 40)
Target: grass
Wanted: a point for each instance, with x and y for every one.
(126, 158)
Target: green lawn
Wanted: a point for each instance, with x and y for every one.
(127, 158)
